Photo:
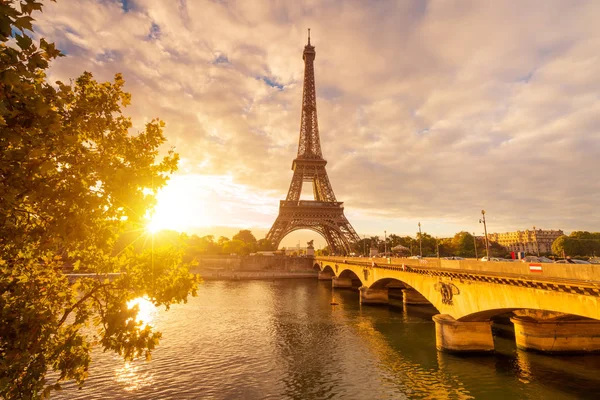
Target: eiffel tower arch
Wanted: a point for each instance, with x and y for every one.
(324, 214)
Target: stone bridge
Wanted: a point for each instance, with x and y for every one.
(555, 307)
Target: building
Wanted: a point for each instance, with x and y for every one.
(299, 251)
(530, 241)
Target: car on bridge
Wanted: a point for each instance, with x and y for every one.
(572, 261)
(491, 259)
(536, 259)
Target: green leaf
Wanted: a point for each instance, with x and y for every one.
(23, 41)
(30, 6)
(23, 23)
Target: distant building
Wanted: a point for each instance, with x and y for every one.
(297, 250)
(528, 241)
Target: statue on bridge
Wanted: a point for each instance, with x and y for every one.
(310, 244)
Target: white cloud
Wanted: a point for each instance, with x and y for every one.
(427, 110)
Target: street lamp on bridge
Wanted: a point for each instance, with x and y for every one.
(487, 244)
(385, 243)
(420, 242)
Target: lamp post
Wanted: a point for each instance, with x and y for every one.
(537, 245)
(385, 243)
(420, 242)
(364, 246)
(487, 245)
(475, 245)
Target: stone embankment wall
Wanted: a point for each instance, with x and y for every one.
(254, 267)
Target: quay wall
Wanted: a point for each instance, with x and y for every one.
(254, 267)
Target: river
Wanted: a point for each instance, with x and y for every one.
(283, 340)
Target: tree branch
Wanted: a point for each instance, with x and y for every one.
(81, 301)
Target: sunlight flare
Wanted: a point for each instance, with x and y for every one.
(146, 312)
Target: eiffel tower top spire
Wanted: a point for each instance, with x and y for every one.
(309, 145)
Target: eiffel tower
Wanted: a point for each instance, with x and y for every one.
(324, 214)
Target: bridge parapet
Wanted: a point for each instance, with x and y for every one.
(573, 272)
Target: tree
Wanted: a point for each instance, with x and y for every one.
(463, 244)
(578, 243)
(248, 238)
(72, 178)
(361, 246)
(446, 247)
(558, 246)
(221, 242)
(497, 250)
(235, 246)
(428, 244)
(265, 245)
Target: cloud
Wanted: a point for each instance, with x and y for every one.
(427, 110)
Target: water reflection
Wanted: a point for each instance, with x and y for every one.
(132, 376)
(146, 310)
(409, 377)
(523, 367)
(283, 339)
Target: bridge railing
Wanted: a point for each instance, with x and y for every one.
(579, 272)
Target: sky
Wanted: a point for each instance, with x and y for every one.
(429, 111)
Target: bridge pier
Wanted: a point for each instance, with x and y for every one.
(325, 276)
(412, 297)
(373, 296)
(457, 336)
(557, 336)
(345, 283)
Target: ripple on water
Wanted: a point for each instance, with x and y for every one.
(282, 339)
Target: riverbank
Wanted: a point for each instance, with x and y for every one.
(255, 275)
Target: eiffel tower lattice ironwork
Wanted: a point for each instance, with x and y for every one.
(324, 214)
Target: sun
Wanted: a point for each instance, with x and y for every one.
(153, 226)
(179, 208)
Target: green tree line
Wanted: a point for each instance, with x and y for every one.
(578, 243)
(242, 243)
(462, 244)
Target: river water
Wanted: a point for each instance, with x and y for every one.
(283, 340)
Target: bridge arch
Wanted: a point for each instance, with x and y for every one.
(328, 268)
(348, 273)
(384, 282)
(413, 294)
(555, 315)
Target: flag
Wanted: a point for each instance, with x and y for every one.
(535, 268)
